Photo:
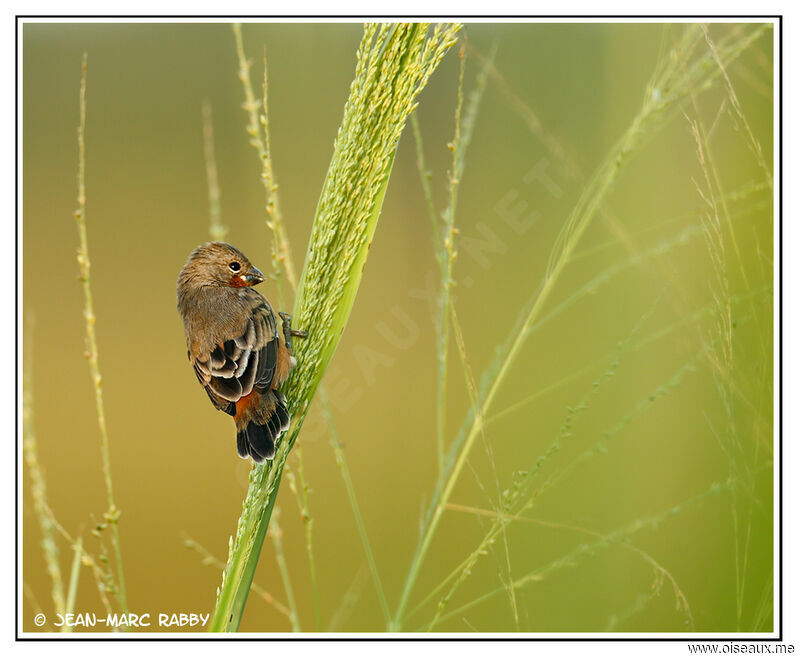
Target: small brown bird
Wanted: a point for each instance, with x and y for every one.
(233, 344)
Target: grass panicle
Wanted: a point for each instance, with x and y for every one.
(394, 63)
(678, 73)
(282, 261)
(588, 549)
(754, 144)
(512, 498)
(258, 129)
(103, 578)
(721, 353)
(445, 249)
(216, 228)
(38, 485)
(721, 350)
(446, 257)
(112, 515)
(660, 572)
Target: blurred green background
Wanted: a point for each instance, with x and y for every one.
(561, 97)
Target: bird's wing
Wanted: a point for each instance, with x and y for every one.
(242, 363)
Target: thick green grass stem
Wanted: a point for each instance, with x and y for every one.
(394, 63)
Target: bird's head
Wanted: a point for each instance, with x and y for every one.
(218, 264)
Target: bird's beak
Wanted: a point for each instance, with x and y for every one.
(253, 277)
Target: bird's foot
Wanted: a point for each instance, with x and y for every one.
(288, 332)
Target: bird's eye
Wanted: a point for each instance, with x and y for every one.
(234, 266)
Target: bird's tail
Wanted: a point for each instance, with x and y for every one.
(260, 426)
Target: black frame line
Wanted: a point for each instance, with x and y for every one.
(379, 636)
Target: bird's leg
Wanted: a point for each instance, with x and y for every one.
(288, 332)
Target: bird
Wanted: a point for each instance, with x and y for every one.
(233, 344)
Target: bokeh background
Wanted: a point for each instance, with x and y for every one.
(678, 433)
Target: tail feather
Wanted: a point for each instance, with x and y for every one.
(258, 437)
(280, 410)
(242, 445)
(260, 441)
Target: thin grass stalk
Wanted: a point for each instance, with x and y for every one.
(210, 559)
(281, 254)
(101, 577)
(74, 576)
(585, 550)
(690, 319)
(218, 232)
(723, 361)
(755, 145)
(262, 147)
(520, 486)
(460, 147)
(666, 89)
(574, 228)
(601, 445)
(281, 245)
(216, 228)
(556, 149)
(447, 251)
(708, 163)
(472, 388)
(445, 238)
(37, 608)
(112, 514)
(282, 261)
(447, 257)
(276, 535)
(349, 600)
(351, 495)
(425, 180)
(300, 490)
(38, 485)
(682, 603)
(567, 164)
(394, 63)
(764, 608)
(604, 278)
